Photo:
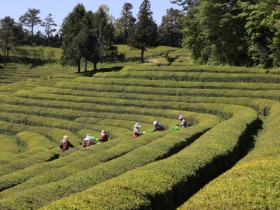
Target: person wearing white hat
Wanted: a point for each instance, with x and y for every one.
(65, 144)
(183, 121)
(158, 126)
(87, 141)
(104, 136)
(136, 130)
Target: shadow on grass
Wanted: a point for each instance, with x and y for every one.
(101, 70)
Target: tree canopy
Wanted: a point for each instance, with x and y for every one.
(30, 19)
(49, 25)
(145, 34)
(233, 32)
(10, 34)
(88, 36)
(72, 51)
(170, 29)
(125, 25)
(227, 32)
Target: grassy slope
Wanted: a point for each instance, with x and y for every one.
(148, 91)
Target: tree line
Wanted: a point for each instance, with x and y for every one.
(233, 32)
(91, 36)
(227, 32)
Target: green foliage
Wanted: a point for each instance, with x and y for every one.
(170, 29)
(9, 148)
(125, 25)
(70, 29)
(234, 32)
(30, 19)
(88, 35)
(252, 182)
(145, 34)
(157, 149)
(10, 32)
(261, 28)
(223, 106)
(170, 177)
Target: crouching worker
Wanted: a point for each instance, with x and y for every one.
(136, 131)
(87, 141)
(183, 121)
(158, 126)
(104, 136)
(65, 144)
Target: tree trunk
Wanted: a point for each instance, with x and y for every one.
(95, 66)
(142, 54)
(8, 54)
(32, 36)
(79, 65)
(4, 58)
(5, 55)
(86, 66)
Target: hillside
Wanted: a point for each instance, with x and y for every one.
(227, 158)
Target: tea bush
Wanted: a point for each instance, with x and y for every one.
(156, 185)
(253, 182)
(225, 107)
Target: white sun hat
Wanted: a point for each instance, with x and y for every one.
(137, 125)
(88, 137)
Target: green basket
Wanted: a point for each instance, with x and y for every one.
(95, 138)
(174, 128)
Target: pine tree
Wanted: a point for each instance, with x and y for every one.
(10, 33)
(30, 19)
(126, 23)
(49, 24)
(72, 51)
(145, 35)
(170, 28)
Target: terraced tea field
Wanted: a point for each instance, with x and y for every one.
(228, 158)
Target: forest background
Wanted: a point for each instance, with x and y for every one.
(217, 32)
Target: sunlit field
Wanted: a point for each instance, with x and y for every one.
(227, 157)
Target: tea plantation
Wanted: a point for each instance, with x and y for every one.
(227, 158)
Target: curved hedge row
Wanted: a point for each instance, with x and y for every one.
(170, 91)
(177, 163)
(158, 149)
(253, 182)
(21, 176)
(8, 148)
(196, 68)
(123, 143)
(163, 184)
(256, 103)
(193, 76)
(177, 84)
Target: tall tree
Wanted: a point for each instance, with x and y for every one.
(104, 24)
(275, 46)
(87, 36)
(89, 40)
(30, 19)
(71, 26)
(49, 25)
(215, 33)
(102, 49)
(10, 35)
(234, 32)
(187, 5)
(145, 35)
(262, 31)
(170, 29)
(126, 23)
